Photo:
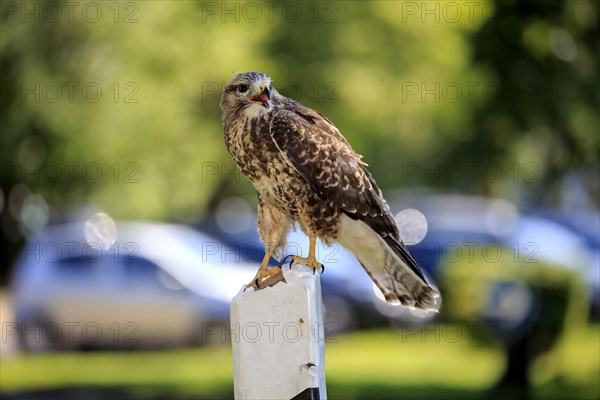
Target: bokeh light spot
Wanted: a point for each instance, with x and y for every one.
(412, 225)
(101, 229)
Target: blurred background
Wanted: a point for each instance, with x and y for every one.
(126, 228)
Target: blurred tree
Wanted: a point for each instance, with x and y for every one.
(118, 110)
(543, 118)
(104, 107)
(393, 76)
(526, 307)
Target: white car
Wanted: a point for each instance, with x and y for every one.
(156, 285)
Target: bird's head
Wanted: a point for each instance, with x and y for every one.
(251, 90)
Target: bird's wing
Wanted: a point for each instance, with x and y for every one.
(321, 155)
(316, 149)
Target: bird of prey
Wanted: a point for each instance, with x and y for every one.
(305, 171)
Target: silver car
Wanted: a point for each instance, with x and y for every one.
(156, 285)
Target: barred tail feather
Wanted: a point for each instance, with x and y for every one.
(389, 265)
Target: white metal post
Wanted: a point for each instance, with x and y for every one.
(278, 339)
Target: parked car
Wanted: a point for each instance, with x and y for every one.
(582, 228)
(485, 227)
(456, 226)
(157, 285)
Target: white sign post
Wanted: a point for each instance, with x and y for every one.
(278, 339)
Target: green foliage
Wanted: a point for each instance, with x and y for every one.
(404, 85)
(121, 111)
(152, 130)
(467, 287)
(544, 56)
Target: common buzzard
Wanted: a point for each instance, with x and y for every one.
(305, 171)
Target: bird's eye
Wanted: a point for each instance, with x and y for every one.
(242, 88)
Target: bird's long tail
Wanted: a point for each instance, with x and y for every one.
(389, 264)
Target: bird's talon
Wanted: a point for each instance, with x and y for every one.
(266, 277)
(285, 260)
(322, 269)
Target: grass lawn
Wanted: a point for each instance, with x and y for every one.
(378, 364)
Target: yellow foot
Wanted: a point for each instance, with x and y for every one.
(266, 277)
(310, 261)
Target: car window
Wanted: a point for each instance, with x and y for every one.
(138, 267)
(141, 272)
(210, 249)
(77, 266)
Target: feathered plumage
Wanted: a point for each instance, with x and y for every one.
(304, 170)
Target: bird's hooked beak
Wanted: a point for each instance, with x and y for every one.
(263, 96)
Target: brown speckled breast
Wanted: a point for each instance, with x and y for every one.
(249, 142)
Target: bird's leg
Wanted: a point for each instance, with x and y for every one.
(311, 261)
(266, 277)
